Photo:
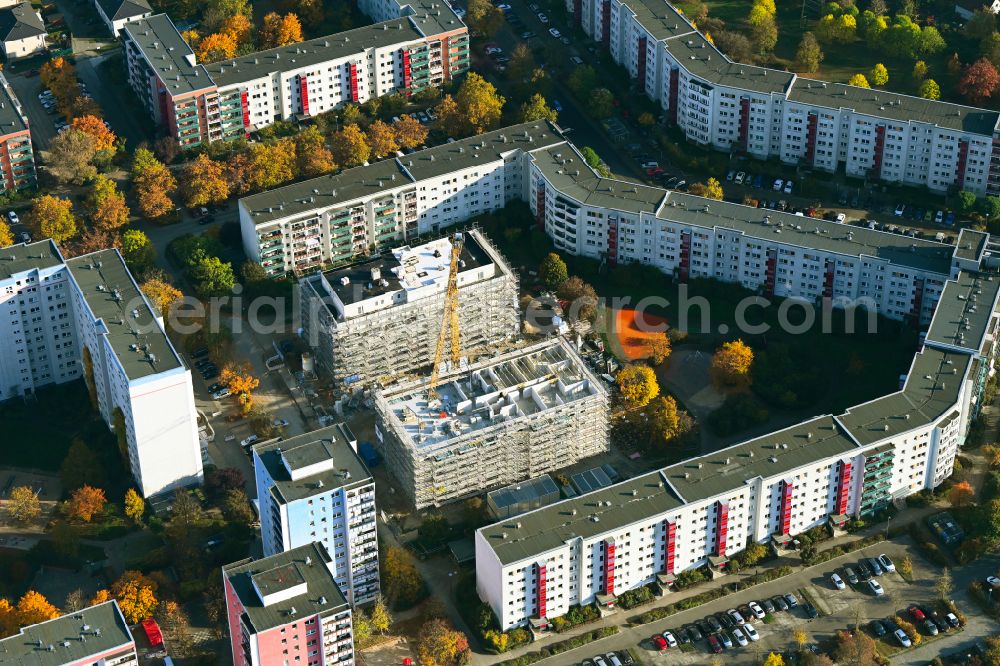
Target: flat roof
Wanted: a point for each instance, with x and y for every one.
(702, 60)
(431, 17)
(480, 149)
(113, 296)
(313, 51)
(310, 450)
(168, 54)
(894, 106)
(767, 456)
(12, 118)
(120, 9)
(307, 565)
(405, 268)
(23, 257)
(531, 534)
(527, 381)
(659, 18)
(932, 386)
(964, 310)
(538, 488)
(65, 641)
(971, 244)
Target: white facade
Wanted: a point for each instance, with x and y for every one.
(56, 311)
(24, 47)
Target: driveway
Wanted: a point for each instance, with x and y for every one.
(121, 112)
(42, 128)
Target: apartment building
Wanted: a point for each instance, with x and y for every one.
(506, 419)
(768, 113)
(86, 317)
(314, 488)
(95, 635)
(287, 608)
(380, 318)
(116, 13)
(775, 253)
(335, 218)
(423, 45)
(17, 161)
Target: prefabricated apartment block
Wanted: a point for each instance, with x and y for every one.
(648, 529)
(769, 113)
(418, 45)
(380, 318)
(505, 419)
(86, 317)
(314, 487)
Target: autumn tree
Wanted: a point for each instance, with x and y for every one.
(536, 109)
(920, 70)
(107, 205)
(774, 659)
(23, 505)
(6, 235)
(480, 104)
(51, 217)
(272, 164)
(85, 503)
(801, 638)
(712, 189)
(381, 139)
(666, 420)
(438, 644)
(961, 494)
(380, 617)
(809, 55)
(979, 81)
(879, 75)
(237, 510)
(410, 132)
(929, 89)
(217, 46)
(161, 294)
(312, 157)
(944, 584)
(94, 127)
(240, 380)
(239, 27)
(659, 349)
(858, 81)
(33, 608)
(731, 364)
(449, 117)
(176, 625)
(136, 596)
(484, 19)
(350, 146)
(856, 649)
(637, 383)
(582, 299)
(71, 157)
(138, 251)
(400, 579)
(764, 34)
(280, 30)
(59, 76)
(135, 506)
(153, 184)
(204, 182)
(553, 271)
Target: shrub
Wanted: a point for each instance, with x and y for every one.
(910, 631)
(686, 579)
(562, 646)
(576, 616)
(635, 597)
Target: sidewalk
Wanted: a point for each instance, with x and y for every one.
(621, 616)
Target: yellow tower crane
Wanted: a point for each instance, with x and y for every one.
(450, 320)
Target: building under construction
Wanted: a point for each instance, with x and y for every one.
(505, 419)
(379, 319)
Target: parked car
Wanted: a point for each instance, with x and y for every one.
(903, 639)
(543, 18)
(669, 638)
(199, 352)
(221, 393)
(693, 632)
(215, 387)
(930, 628)
(949, 219)
(713, 624)
(768, 606)
(735, 615)
(659, 643)
(613, 659)
(939, 216)
(780, 603)
(875, 588)
(252, 439)
(704, 627)
(599, 661)
(24, 237)
(852, 577)
(917, 613)
(740, 637)
(756, 610)
(714, 643)
(751, 632)
(727, 642)
(900, 209)
(841, 218)
(811, 611)
(886, 563)
(778, 184)
(792, 601)
(740, 177)
(838, 582)
(12, 216)
(864, 570)
(730, 176)
(788, 186)
(576, 60)
(280, 423)
(726, 621)
(875, 566)
(877, 628)
(682, 636)
(952, 620)
(555, 33)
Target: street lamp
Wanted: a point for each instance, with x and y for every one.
(887, 519)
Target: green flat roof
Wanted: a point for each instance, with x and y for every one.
(971, 244)
(771, 455)
(932, 386)
(23, 257)
(902, 108)
(308, 449)
(128, 317)
(703, 61)
(536, 532)
(62, 635)
(964, 311)
(273, 574)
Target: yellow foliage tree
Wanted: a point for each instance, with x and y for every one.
(774, 659)
(272, 163)
(239, 26)
(637, 384)
(280, 30)
(94, 127)
(34, 608)
(660, 349)
(410, 132)
(859, 81)
(161, 294)
(100, 597)
(153, 184)
(108, 209)
(217, 46)
(312, 156)
(23, 505)
(382, 139)
(52, 217)
(136, 596)
(350, 146)
(480, 104)
(731, 364)
(239, 379)
(6, 235)
(135, 506)
(204, 182)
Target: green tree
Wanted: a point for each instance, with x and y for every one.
(929, 89)
(602, 103)
(764, 35)
(80, 467)
(879, 75)
(809, 55)
(583, 80)
(989, 206)
(484, 19)
(536, 109)
(213, 277)
(138, 251)
(966, 202)
(553, 271)
(237, 510)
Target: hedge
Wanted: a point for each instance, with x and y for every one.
(837, 551)
(561, 646)
(635, 597)
(576, 616)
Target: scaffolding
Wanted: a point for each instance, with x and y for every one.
(516, 416)
(385, 344)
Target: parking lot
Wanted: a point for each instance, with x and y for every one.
(836, 610)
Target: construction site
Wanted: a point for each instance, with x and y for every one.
(379, 320)
(505, 419)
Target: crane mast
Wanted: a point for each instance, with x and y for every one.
(449, 323)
